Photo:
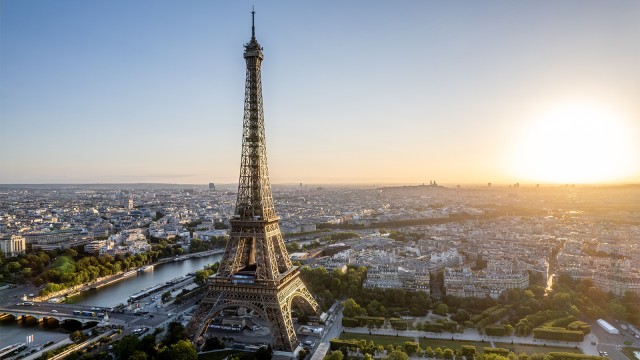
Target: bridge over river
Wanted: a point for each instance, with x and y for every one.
(103, 297)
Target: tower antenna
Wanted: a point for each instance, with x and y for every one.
(253, 23)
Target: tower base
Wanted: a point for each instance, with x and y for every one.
(271, 300)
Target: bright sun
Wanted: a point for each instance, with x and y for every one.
(576, 144)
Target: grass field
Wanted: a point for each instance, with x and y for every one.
(628, 351)
(218, 355)
(451, 344)
(536, 349)
(377, 339)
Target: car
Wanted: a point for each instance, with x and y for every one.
(54, 311)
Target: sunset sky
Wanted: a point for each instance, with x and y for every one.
(355, 92)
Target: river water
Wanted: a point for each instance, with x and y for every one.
(110, 295)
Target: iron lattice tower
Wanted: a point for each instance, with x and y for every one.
(255, 270)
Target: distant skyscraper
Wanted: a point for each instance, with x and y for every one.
(255, 271)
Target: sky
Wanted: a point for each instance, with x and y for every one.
(379, 92)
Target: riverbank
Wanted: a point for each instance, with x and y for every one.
(112, 279)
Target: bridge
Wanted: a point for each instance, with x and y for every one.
(61, 312)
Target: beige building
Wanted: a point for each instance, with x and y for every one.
(467, 283)
(617, 282)
(395, 277)
(13, 245)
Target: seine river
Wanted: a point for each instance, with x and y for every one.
(106, 296)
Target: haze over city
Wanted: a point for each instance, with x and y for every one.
(356, 92)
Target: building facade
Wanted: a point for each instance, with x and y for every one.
(13, 245)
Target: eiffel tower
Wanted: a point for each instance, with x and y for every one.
(255, 272)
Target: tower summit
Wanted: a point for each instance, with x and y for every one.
(255, 272)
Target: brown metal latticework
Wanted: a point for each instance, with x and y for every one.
(255, 271)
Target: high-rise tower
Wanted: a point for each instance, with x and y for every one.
(255, 271)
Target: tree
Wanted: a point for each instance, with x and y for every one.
(410, 347)
(202, 276)
(302, 354)
(397, 355)
(334, 355)
(429, 352)
(264, 353)
(461, 316)
(175, 333)
(148, 345)
(448, 354)
(138, 355)
(13, 267)
(441, 309)
(166, 296)
(181, 350)
(351, 308)
(76, 336)
(126, 347)
(213, 344)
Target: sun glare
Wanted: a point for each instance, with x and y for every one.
(576, 144)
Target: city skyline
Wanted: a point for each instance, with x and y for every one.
(358, 93)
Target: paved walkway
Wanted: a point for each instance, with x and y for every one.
(473, 335)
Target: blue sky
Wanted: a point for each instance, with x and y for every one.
(355, 92)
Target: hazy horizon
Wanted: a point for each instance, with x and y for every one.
(354, 93)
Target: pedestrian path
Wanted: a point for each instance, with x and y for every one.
(587, 346)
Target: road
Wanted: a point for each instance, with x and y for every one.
(13, 295)
(332, 330)
(612, 343)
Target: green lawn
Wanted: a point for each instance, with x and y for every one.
(628, 351)
(536, 349)
(451, 344)
(217, 355)
(377, 339)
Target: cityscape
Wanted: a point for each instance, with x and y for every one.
(373, 268)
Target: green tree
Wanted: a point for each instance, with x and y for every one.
(202, 276)
(126, 347)
(138, 355)
(429, 352)
(441, 309)
(351, 308)
(13, 267)
(76, 336)
(410, 347)
(448, 354)
(334, 355)
(175, 333)
(166, 296)
(213, 344)
(181, 350)
(264, 353)
(396, 355)
(302, 354)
